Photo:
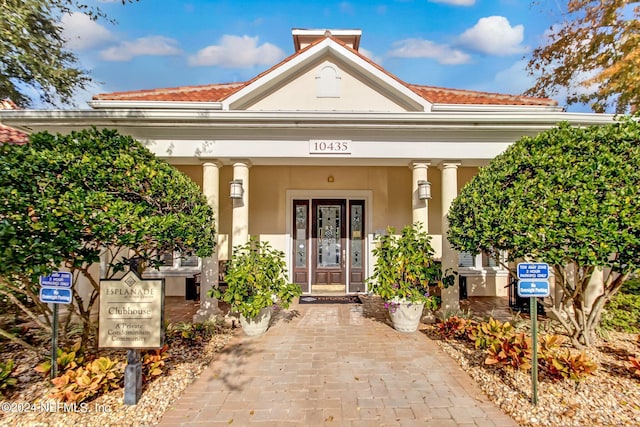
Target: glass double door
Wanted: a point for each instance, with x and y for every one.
(329, 243)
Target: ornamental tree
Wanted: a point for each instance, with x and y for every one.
(592, 54)
(35, 56)
(65, 200)
(568, 197)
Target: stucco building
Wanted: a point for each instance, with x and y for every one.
(319, 154)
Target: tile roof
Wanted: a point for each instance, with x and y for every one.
(7, 134)
(219, 92)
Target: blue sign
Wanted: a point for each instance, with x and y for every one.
(533, 288)
(55, 295)
(533, 270)
(57, 279)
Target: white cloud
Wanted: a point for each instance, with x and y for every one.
(494, 35)
(144, 46)
(81, 33)
(418, 48)
(237, 52)
(455, 2)
(368, 54)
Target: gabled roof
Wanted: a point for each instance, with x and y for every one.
(222, 92)
(7, 134)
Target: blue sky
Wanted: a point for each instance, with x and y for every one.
(465, 44)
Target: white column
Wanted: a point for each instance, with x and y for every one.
(209, 277)
(240, 234)
(420, 208)
(451, 295)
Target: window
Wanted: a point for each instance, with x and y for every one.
(467, 259)
(175, 260)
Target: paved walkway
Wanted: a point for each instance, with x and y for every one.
(333, 365)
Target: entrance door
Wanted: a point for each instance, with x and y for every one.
(329, 242)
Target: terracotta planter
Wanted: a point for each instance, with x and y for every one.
(405, 316)
(258, 325)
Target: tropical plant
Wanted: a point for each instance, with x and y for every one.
(486, 333)
(565, 365)
(454, 327)
(514, 351)
(256, 279)
(405, 267)
(87, 381)
(6, 379)
(567, 197)
(69, 358)
(188, 332)
(153, 362)
(65, 200)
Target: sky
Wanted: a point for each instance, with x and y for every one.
(464, 44)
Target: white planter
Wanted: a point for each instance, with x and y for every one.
(256, 325)
(405, 315)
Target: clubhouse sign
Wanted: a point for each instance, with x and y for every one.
(131, 313)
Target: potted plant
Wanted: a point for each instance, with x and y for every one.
(405, 269)
(256, 278)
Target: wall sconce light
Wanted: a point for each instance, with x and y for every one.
(424, 190)
(235, 189)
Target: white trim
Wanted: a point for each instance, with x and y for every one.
(494, 108)
(366, 195)
(187, 105)
(35, 120)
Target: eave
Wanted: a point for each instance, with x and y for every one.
(64, 120)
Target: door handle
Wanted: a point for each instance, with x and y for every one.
(344, 254)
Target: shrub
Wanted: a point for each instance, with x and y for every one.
(514, 351)
(66, 359)
(6, 380)
(85, 382)
(191, 333)
(153, 362)
(564, 365)
(453, 327)
(622, 313)
(486, 333)
(256, 278)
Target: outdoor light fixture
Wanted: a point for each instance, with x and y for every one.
(235, 189)
(424, 190)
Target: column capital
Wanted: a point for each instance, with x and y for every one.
(244, 162)
(419, 164)
(449, 164)
(211, 162)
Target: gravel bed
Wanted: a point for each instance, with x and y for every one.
(29, 405)
(610, 397)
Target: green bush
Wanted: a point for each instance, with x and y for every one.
(622, 313)
(631, 286)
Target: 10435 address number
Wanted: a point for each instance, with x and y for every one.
(329, 146)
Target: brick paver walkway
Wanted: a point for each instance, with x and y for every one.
(333, 365)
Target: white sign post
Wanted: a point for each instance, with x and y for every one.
(533, 283)
(55, 289)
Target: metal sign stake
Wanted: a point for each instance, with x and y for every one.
(533, 306)
(54, 343)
